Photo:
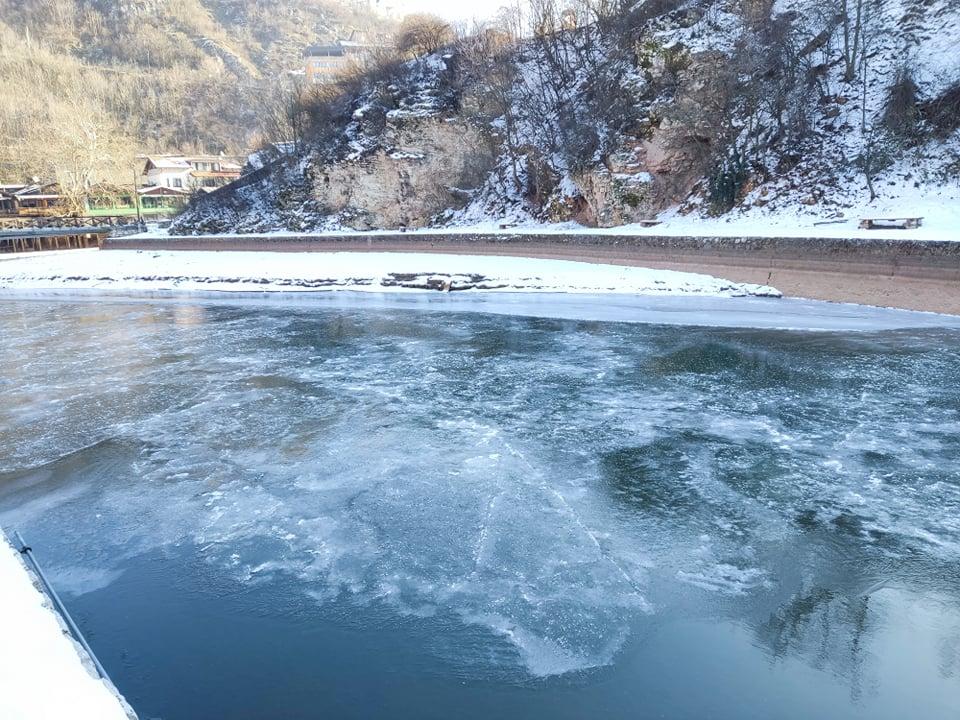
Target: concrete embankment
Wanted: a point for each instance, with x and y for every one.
(43, 672)
(908, 274)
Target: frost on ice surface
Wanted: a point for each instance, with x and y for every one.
(549, 483)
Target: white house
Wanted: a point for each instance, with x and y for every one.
(168, 171)
(205, 172)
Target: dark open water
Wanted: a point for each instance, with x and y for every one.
(316, 512)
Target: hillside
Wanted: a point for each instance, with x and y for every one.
(108, 78)
(769, 113)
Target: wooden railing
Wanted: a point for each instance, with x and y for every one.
(22, 234)
(53, 221)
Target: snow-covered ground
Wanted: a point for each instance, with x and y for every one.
(369, 272)
(42, 676)
(939, 210)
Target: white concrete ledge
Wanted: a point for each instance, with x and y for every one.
(44, 674)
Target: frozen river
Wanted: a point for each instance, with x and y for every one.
(365, 508)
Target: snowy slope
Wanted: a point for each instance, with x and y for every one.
(922, 180)
(799, 173)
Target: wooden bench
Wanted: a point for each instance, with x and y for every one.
(890, 223)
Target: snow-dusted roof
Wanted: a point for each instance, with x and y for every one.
(207, 158)
(43, 191)
(161, 190)
(168, 162)
(186, 162)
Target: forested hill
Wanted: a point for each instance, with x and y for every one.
(154, 75)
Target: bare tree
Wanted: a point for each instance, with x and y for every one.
(81, 148)
(851, 21)
(283, 115)
(509, 20)
(572, 89)
(486, 78)
(422, 34)
(869, 159)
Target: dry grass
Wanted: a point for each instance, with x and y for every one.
(182, 75)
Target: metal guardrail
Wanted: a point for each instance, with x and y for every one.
(27, 552)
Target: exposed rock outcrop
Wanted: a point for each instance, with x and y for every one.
(702, 107)
(430, 165)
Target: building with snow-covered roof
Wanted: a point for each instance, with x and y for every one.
(324, 62)
(170, 171)
(32, 199)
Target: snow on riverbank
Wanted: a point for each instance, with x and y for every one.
(41, 674)
(369, 272)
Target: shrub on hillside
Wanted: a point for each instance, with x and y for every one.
(726, 183)
(901, 112)
(943, 111)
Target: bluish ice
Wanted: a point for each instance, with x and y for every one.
(554, 511)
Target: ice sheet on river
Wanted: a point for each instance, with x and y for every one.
(549, 480)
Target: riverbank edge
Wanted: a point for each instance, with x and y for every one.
(33, 684)
(905, 274)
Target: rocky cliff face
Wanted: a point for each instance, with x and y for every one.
(429, 165)
(700, 106)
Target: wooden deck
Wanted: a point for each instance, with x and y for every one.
(36, 243)
(32, 234)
